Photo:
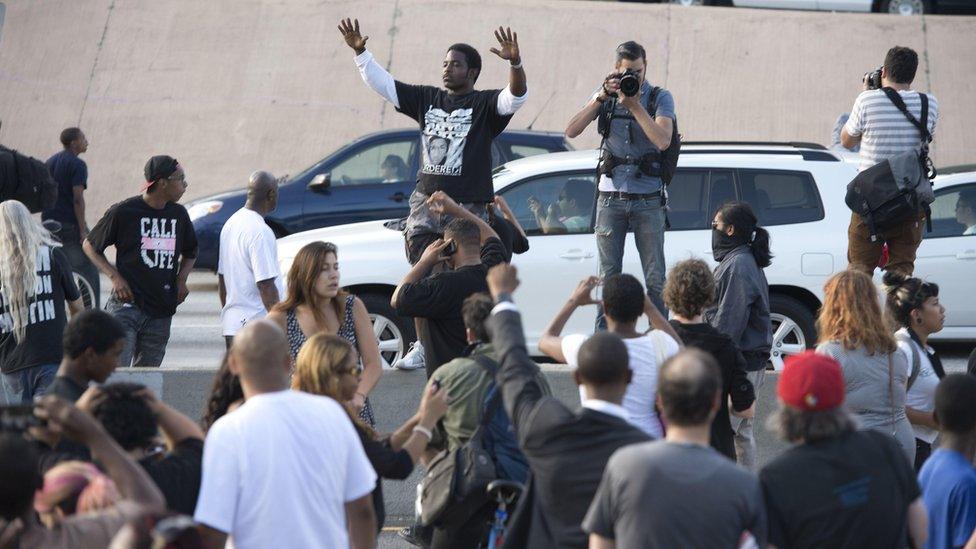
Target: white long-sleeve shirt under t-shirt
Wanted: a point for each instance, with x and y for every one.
(382, 82)
(456, 131)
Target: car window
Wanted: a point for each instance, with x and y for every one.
(497, 159)
(554, 204)
(781, 197)
(686, 200)
(721, 189)
(522, 151)
(377, 163)
(954, 212)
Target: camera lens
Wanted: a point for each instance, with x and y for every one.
(629, 85)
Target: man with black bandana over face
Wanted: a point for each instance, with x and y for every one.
(742, 309)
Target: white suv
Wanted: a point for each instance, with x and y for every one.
(796, 189)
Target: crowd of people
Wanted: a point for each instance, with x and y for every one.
(661, 451)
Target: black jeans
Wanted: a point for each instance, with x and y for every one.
(70, 239)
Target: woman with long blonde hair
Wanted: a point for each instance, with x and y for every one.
(316, 303)
(35, 283)
(327, 365)
(854, 332)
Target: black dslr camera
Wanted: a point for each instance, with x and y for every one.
(873, 79)
(630, 82)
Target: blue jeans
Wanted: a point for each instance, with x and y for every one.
(645, 217)
(145, 337)
(22, 386)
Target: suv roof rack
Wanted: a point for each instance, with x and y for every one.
(794, 144)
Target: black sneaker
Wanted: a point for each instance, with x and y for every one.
(416, 535)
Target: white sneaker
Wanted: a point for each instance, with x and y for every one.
(413, 359)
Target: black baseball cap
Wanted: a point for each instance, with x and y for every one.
(159, 167)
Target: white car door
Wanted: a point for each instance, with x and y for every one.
(947, 256)
(844, 5)
(556, 261)
(779, 4)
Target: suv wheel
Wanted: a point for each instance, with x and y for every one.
(906, 7)
(393, 332)
(794, 330)
(87, 290)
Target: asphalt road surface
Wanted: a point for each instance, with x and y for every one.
(196, 342)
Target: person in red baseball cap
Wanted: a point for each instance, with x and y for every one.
(155, 249)
(838, 486)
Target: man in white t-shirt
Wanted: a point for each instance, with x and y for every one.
(286, 469)
(624, 300)
(247, 271)
(883, 132)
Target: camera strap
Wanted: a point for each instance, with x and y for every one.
(922, 126)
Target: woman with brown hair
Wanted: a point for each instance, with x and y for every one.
(315, 304)
(327, 365)
(853, 332)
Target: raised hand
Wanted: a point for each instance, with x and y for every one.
(441, 203)
(509, 48)
(350, 33)
(583, 294)
(502, 279)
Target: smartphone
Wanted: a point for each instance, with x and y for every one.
(451, 248)
(18, 418)
(598, 291)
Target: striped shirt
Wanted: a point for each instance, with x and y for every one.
(886, 132)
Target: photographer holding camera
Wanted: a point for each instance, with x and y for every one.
(637, 122)
(885, 130)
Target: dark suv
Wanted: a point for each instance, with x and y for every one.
(368, 179)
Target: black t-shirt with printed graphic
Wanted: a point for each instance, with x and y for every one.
(149, 245)
(46, 315)
(456, 135)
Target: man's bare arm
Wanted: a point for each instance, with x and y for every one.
(509, 50)
(658, 130)
(269, 293)
(221, 290)
(847, 140)
(78, 201)
(361, 521)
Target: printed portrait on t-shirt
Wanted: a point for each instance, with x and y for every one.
(158, 246)
(444, 138)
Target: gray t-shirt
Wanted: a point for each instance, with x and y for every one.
(875, 397)
(666, 494)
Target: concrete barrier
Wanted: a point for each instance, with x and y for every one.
(229, 86)
(394, 400)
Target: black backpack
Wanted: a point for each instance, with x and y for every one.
(898, 188)
(26, 179)
(669, 157)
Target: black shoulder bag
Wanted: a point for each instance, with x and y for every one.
(456, 483)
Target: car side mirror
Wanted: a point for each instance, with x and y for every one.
(320, 182)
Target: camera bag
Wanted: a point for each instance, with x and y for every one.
(26, 179)
(898, 188)
(455, 486)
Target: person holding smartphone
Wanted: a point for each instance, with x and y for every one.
(469, 248)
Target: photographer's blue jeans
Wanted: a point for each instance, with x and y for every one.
(645, 217)
(22, 386)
